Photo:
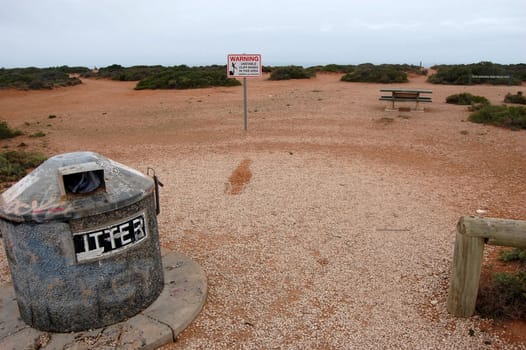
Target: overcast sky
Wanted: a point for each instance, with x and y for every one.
(200, 32)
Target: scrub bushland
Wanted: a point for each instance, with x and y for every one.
(369, 73)
(39, 78)
(513, 117)
(466, 98)
(462, 74)
(290, 72)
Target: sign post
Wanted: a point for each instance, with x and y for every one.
(245, 105)
(244, 66)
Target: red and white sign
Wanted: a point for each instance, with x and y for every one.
(243, 66)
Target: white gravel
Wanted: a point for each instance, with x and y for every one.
(317, 252)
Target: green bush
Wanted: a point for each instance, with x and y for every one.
(134, 73)
(37, 78)
(505, 296)
(183, 77)
(6, 132)
(290, 72)
(332, 68)
(176, 77)
(505, 116)
(466, 98)
(15, 164)
(370, 73)
(516, 254)
(519, 98)
(461, 74)
(509, 296)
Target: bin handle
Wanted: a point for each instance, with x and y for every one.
(156, 183)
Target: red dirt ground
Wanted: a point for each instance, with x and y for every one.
(473, 166)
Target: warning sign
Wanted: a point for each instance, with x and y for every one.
(243, 65)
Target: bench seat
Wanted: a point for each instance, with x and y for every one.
(405, 99)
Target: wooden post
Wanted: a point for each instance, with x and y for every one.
(472, 233)
(465, 275)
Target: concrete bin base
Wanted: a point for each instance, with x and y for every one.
(182, 299)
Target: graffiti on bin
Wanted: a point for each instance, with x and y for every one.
(46, 205)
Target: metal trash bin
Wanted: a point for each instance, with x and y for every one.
(81, 239)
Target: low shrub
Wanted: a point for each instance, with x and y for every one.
(506, 116)
(160, 77)
(462, 74)
(519, 98)
(37, 78)
(15, 164)
(290, 72)
(6, 132)
(187, 78)
(333, 68)
(516, 254)
(466, 98)
(505, 296)
(370, 73)
(120, 73)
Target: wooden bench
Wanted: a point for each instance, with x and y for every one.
(405, 95)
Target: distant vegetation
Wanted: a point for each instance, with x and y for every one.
(383, 73)
(184, 77)
(347, 68)
(466, 98)
(290, 72)
(39, 78)
(118, 72)
(462, 74)
(159, 77)
(519, 98)
(367, 72)
(333, 68)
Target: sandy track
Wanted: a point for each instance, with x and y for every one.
(343, 235)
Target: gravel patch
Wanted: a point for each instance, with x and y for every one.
(316, 252)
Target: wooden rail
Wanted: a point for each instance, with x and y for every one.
(472, 233)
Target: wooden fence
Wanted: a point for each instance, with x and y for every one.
(472, 233)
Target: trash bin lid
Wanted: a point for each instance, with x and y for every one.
(73, 185)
